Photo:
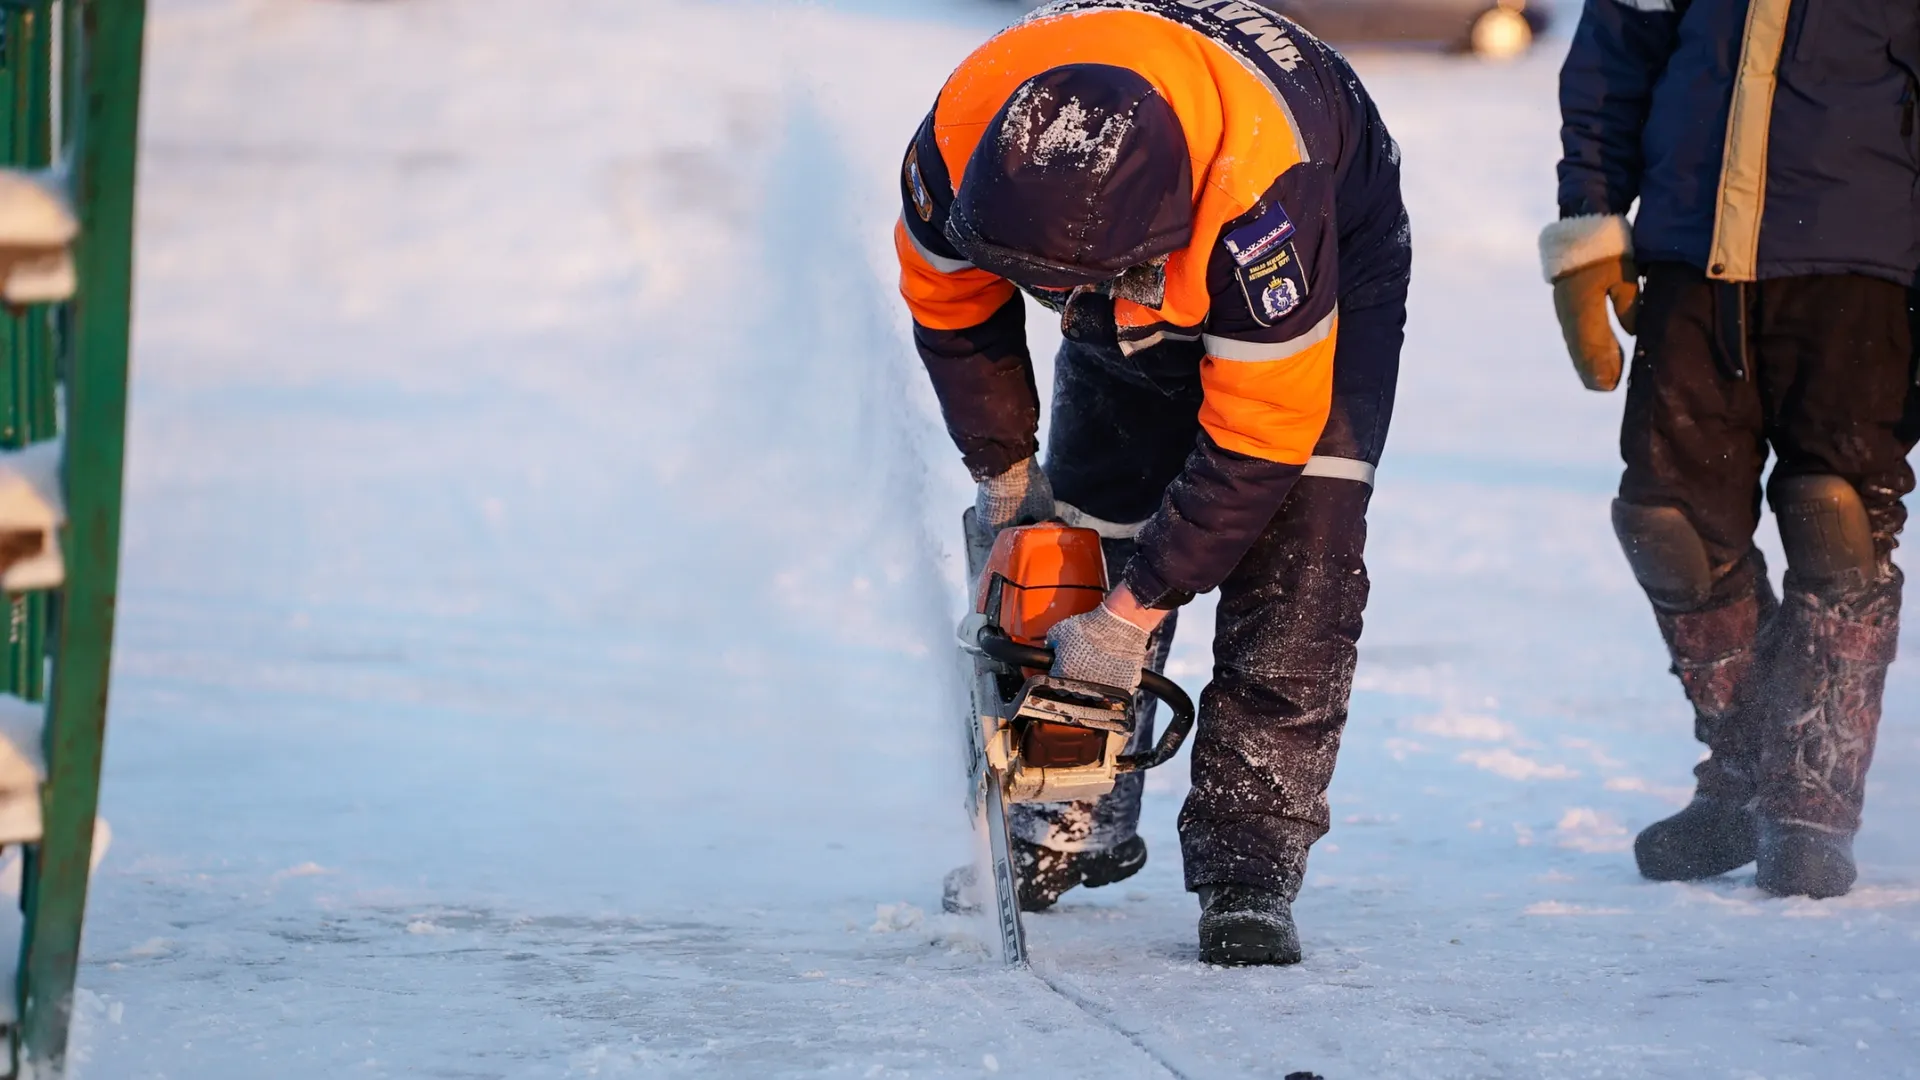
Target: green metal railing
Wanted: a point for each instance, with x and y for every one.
(69, 95)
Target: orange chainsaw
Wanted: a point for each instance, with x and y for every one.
(1033, 737)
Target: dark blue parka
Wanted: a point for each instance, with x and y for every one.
(1763, 138)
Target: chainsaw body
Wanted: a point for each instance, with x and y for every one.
(1048, 739)
(1032, 737)
(1059, 740)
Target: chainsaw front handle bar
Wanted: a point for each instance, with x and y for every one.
(995, 643)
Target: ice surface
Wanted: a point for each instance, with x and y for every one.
(540, 565)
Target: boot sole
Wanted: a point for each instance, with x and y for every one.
(1785, 887)
(1818, 883)
(1246, 943)
(1655, 867)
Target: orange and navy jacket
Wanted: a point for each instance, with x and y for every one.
(1291, 167)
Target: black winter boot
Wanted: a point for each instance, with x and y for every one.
(1045, 874)
(1714, 654)
(1831, 672)
(1240, 924)
(1709, 837)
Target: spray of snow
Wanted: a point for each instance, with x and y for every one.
(893, 918)
(1585, 829)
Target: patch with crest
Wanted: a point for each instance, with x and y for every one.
(917, 186)
(1268, 265)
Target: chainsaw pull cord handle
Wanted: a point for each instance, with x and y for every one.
(995, 643)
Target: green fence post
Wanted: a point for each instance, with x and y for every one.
(103, 109)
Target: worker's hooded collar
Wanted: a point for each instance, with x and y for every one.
(1083, 173)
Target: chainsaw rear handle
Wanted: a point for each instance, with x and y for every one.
(995, 643)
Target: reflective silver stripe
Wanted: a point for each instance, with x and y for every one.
(1647, 5)
(938, 262)
(1111, 530)
(1339, 468)
(1299, 140)
(1331, 468)
(1223, 348)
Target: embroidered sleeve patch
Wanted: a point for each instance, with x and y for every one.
(1250, 242)
(917, 186)
(1268, 265)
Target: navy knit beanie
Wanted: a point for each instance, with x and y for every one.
(1083, 173)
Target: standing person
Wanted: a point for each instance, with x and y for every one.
(1772, 147)
(1209, 199)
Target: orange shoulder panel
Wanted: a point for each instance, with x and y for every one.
(1270, 409)
(1128, 315)
(1238, 135)
(942, 301)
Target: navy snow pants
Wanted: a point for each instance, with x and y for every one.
(1290, 614)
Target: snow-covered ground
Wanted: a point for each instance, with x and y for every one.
(540, 572)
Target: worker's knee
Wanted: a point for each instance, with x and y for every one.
(1667, 555)
(1826, 532)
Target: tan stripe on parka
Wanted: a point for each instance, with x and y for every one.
(1735, 255)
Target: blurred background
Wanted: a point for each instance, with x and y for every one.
(542, 558)
(1491, 29)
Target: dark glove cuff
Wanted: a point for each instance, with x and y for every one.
(986, 459)
(1152, 590)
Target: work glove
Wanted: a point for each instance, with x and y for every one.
(1099, 647)
(1589, 262)
(1019, 496)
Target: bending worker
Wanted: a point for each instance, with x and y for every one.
(1208, 198)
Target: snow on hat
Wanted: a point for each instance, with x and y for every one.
(1083, 173)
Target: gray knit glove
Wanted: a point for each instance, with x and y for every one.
(1099, 647)
(1019, 496)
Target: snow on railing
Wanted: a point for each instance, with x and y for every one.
(23, 768)
(31, 513)
(37, 227)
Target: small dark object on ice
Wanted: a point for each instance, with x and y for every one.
(1045, 874)
(1304, 1076)
(1712, 836)
(1244, 925)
